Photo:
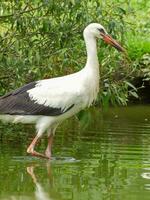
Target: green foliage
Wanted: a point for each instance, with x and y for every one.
(144, 67)
(84, 116)
(137, 46)
(41, 39)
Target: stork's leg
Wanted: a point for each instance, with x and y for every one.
(51, 133)
(31, 147)
(48, 151)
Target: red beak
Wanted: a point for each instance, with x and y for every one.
(109, 40)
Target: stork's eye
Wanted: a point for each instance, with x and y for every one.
(101, 30)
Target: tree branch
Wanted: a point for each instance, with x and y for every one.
(21, 13)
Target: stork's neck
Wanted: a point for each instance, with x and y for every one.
(91, 47)
(91, 69)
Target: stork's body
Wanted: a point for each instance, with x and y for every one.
(48, 102)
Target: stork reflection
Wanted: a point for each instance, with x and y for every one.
(40, 193)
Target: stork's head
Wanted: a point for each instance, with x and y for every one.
(98, 31)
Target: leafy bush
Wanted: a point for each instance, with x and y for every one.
(41, 39)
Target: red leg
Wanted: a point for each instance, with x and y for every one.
(48, 151)
(31, 147)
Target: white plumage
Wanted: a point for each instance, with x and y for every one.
(65, 96)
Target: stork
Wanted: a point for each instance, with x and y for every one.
(46, 103)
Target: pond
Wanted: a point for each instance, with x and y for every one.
(109, 160)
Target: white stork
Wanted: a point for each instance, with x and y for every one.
(48, 102)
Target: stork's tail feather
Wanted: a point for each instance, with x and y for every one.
(4, 117)
(2, 106)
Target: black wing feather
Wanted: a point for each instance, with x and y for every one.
(18, 102)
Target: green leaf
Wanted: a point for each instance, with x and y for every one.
(131, 85)
(84, 117)
(134, 94)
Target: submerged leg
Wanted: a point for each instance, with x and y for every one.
(31, 147)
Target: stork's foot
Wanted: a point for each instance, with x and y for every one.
(35, 153)
(48, 154)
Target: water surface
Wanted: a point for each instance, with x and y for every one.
(109, 160)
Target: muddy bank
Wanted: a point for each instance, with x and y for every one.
(143, 91)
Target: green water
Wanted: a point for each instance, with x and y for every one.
(109, 160)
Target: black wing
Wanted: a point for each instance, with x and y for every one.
(18, 102)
